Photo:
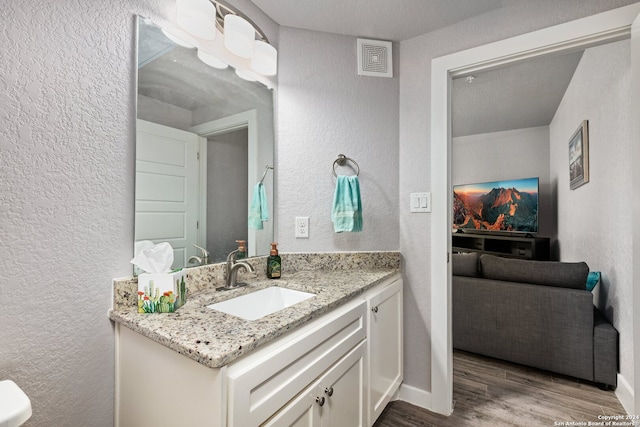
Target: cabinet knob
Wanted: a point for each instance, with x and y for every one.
(329, 391)
(320, 400)
(374, 309)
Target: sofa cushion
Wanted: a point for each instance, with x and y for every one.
(547, 273)
(465, 265)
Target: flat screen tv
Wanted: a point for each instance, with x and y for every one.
(497, 206)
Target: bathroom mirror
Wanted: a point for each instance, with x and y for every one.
(204, 139)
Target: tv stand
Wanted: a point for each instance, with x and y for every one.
(523, 247)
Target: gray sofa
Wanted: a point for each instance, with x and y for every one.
(536, 313)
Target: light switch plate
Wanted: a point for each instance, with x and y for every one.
(420, 202)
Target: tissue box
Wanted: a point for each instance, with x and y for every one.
(161, 293)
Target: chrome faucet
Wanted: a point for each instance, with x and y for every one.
(196, 260)
(203, 259)
(232, 270)
(231, 259)
(232, 274)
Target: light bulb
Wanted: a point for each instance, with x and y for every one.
(211, 60)
(239, 36)
(265, 59)
(197, 17)
(181, 38)
(246, 75)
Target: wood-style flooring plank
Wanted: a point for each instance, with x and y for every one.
(491, 392)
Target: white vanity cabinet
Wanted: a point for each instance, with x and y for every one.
(338, 370)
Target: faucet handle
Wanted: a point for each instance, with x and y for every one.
(204, 251)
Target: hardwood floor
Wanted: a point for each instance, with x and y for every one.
(490, 392)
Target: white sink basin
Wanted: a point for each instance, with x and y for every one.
(15, 406)
(261, 303)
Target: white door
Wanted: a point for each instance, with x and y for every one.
(167, 188)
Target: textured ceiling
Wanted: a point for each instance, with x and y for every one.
(521, 96)
(517, 97)
(379, 19)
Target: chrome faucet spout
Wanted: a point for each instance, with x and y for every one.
(232, 274)
(195, 260)
(231, 259)
(204, 257)
(232, 270)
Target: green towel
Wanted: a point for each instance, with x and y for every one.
(347, 205)
(259, 211)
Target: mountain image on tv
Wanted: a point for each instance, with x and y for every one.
(497, 206)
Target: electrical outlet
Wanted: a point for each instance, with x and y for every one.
(302, 227)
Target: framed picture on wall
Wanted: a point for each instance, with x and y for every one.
(579, 156)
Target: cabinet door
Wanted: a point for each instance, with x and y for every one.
(304, 411)
(334, 400)
(385, 347)
(344, 391)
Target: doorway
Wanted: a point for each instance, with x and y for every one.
(226, 176)
(579, 34)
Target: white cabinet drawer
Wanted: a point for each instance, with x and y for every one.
(260, 385)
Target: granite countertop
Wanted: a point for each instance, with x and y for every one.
(215, 339)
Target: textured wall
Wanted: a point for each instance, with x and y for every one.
(67, 114)
(520, 153)
(67, 189)
(594, 220)
(415, 130)
(326, 109)
(67, 131)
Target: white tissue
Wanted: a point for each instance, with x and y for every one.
(154, 259)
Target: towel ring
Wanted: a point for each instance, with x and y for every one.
(341, 161)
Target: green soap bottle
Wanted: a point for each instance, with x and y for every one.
(274, 263)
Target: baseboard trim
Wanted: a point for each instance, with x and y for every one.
(422, 398)
(415, 396)
(624, 392)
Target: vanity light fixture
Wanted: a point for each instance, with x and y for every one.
(265, 59)
(247, 75)
(193, 16)
(181, 38)
(243, 46)
(211, 60)
(239, 36)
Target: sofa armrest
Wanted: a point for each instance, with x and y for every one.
(605, 350)
(542, 326)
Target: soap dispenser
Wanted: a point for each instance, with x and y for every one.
(274, 263)
(242, 249)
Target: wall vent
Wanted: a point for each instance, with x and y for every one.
(374, 58)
